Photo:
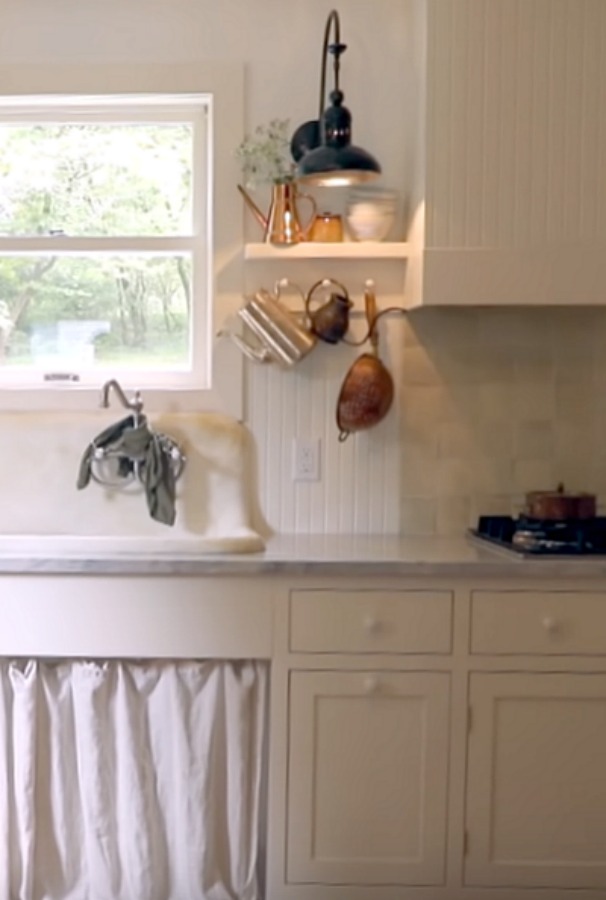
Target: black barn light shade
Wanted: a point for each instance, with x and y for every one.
(323, 148)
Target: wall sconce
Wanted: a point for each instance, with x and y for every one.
(323, 148)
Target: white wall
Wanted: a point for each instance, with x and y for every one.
(279, 42)
(489, 403)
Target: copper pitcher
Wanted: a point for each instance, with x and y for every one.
(282, 225)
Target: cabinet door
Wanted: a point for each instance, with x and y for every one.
(367, 778)
(536, 805)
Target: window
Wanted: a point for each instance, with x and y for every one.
(109, 234)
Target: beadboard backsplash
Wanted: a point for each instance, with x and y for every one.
(358, 489)
(490, 403)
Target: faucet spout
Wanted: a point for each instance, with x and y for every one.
(136, 405)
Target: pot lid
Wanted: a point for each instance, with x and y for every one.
(559, 492)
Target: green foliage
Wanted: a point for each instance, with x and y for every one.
(96, 180)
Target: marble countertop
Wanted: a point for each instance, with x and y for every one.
(295, 555)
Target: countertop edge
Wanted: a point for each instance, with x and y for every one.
(230, 567)
(297, 556)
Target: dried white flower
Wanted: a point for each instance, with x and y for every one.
(265, 154)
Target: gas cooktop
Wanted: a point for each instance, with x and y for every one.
(543, 537)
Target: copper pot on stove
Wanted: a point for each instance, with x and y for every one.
(559, 505)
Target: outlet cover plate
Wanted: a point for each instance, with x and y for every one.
(306, 459)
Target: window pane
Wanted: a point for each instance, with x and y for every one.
(76, 312)
(96, 180)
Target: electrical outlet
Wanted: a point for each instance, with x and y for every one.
(306, 460)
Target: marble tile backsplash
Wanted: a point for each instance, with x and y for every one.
(495, 403)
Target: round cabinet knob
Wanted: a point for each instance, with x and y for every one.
(372, 624)
(550, 625)
(371, 684)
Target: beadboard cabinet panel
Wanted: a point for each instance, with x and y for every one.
(514, 208)
(516, 130)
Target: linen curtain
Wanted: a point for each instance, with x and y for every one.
(128, 780)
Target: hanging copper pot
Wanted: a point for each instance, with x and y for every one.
(367, 391)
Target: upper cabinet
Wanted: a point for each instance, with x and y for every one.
(510, 186)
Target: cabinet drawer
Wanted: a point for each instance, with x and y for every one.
(351, 621)
(542, 622)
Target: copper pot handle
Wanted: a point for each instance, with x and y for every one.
(372, 316)
(370, 308)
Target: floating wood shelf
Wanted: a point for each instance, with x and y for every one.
(314, 250)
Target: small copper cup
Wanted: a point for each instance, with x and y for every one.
(327, 227)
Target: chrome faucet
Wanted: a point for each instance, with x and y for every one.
(136, 404)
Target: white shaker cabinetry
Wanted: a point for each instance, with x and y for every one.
(366, 764)
(536, 786)
(428, 739)
(443, 741)
(536, 780)
(367, 781)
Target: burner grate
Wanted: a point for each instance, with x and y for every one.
(524, 535)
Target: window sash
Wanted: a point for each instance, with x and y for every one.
(194, 110)
(58, 245)
(105, 109)
(195, 375)
(221, 85)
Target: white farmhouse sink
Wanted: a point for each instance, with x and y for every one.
(66, 545)
(44, 516)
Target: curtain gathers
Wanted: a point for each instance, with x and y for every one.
(131, 780)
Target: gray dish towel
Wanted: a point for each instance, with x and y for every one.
(138, 442)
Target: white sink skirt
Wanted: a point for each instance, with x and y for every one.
(121, 779)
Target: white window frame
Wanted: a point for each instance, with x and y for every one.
(215, 91)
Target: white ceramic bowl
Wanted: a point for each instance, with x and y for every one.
(370, 213)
